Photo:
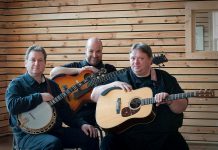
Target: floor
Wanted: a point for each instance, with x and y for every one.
(6, 144)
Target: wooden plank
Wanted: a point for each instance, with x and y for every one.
(3, 110)
(3, 84)
(207, 145)
(95, 22)
(4, 116)
(83, 15)
(199, 108)
(101, 7)
(173, 71)
(201, 137)
(199, 129)
(2, 103)
(85, 36)
(2, 91)
(67, 2)
(4, 123)
(170, 41)
(193, 85)
(201, 115)
(75, 50)
(97, 29)
(200, 122)
(206, 101)
(125, 63)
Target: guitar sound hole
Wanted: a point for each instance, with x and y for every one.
(86, 75)
(135, 103)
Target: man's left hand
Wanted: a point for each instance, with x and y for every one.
(89, 130)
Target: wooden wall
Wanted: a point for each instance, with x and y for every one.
(63, 27)
(4, 128)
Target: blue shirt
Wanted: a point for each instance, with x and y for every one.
(23, 94)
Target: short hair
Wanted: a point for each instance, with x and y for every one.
(35, 48)
(142, 47)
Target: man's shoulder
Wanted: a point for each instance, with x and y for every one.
(73, 65)
(110, 68)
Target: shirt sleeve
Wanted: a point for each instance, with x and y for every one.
(18, 103)
(72, 65)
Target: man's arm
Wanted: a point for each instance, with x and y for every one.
(96, 92)
(176, 106)
(64, 70)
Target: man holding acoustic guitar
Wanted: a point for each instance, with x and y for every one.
(93, 63)
(37, 110)
(158, 129)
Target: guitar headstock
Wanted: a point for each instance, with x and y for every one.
(205, 93)
(159, 59)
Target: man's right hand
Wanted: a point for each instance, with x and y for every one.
(46, 97)
(91, 68)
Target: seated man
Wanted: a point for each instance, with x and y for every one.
(162, 133)
(93, 62)
(31, 89)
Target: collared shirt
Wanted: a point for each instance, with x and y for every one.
(165, 120)
(83, 63)
(23, 94)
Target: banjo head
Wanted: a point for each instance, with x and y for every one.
(38, 120)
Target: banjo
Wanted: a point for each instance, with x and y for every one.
(43, 117)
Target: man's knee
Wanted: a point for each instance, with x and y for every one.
(53, 143)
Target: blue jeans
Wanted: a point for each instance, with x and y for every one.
(58, 139)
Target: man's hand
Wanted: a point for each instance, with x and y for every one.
(89, 130)
(160, 99)
(46, 97)
(91, 68)
(123, 85)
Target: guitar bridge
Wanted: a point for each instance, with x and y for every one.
(118, 105)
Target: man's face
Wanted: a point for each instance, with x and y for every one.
(35, 64)
(94, 53)
(140, 62)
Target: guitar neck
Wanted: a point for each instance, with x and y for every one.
(170, 97)
(67, 92)
(105, 77)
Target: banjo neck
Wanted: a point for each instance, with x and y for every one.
(67, 92)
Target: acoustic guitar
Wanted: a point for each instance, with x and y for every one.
(82, 95)
(117, 110)
(42, 118)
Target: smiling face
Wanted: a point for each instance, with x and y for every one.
(94, 51)
(140, 63)
(35, 63)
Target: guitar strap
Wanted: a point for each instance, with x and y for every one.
(153, 75)
(48, 86)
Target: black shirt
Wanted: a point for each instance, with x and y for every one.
(87, 111)
(165, 120)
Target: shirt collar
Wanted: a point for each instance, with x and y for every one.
(31, 80)
(98, 66)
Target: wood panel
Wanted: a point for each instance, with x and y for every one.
(63, 27)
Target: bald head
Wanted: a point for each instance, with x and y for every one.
(94, 51)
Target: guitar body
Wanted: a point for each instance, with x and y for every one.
(38, 120)
(78, 97)
(114, 114)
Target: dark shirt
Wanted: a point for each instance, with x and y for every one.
(87, 111)
(23, 94)
(165, 120)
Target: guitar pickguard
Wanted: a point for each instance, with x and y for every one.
(126, 112)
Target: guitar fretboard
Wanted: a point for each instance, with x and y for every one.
(67, 92)
(105, 77)
(169, 98)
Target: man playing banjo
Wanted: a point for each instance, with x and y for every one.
(32, 90)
